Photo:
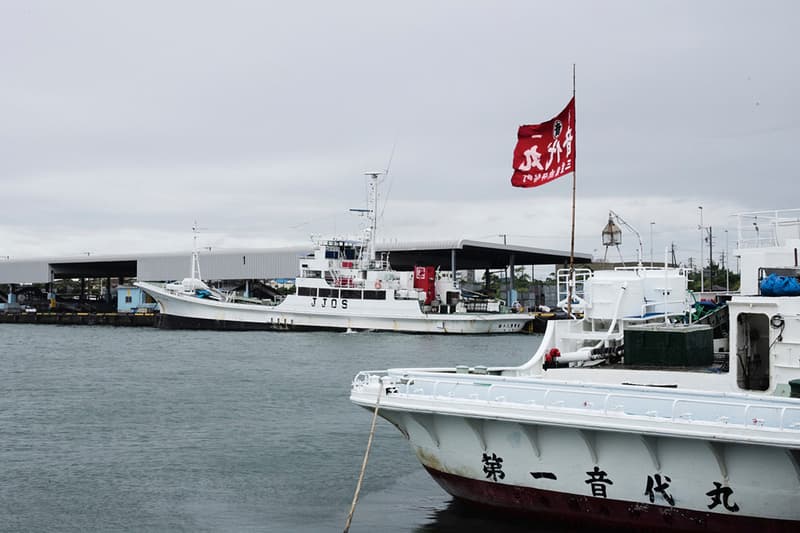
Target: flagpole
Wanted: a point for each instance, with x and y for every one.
(571, 281)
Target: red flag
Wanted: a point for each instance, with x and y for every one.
(545, 151)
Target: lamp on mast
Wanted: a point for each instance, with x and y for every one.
(612, 234)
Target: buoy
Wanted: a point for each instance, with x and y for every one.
(553, 354)
(378, 284)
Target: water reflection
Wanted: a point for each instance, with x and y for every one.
(461, 516)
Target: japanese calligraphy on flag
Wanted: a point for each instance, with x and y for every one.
(545, 151)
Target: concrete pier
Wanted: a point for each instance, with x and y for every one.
(83, 319)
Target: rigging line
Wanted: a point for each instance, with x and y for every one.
(386, 177)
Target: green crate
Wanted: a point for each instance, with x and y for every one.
(669, 345)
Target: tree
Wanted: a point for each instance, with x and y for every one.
(522, 281)
(720, 279)
(492, 286)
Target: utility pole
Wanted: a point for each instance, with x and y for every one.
(710, 258)
(509, 285)
(728, 268)
(700, 227)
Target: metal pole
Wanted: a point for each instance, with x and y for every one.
(651, 244)
(571, 282)
(511, 265)
(700, 227)
(505, 268)
(727, 265)
(710, 258)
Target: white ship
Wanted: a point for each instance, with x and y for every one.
(343, 285)
(618, 422)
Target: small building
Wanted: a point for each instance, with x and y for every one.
(282, 283)
(132, 299)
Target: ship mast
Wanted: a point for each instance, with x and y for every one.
(372, 214)
(367, 255)
(195, 254)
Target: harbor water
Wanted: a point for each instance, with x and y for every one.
(130, 429)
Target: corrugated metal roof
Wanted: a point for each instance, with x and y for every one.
(27, 271)
(214, 265)
(471, 254)
(270, 263)
(228, 264)
(463, 243)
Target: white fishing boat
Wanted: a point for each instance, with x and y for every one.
(342, 285)
(622, 421)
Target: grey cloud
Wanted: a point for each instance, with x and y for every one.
(259, 117)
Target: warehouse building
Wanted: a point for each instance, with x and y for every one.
(239, 268)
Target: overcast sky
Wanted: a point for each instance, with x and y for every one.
(122, 123)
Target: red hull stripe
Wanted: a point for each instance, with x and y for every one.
(559, 506)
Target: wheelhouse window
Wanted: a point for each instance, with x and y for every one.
(306, 291)
(374, 295)
(328, 293)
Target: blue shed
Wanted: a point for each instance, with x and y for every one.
(132, 299)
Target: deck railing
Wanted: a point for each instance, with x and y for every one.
(759, 229)
(690, 408)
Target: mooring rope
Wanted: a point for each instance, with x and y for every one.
(364, 464)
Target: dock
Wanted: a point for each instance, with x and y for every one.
(83, 319)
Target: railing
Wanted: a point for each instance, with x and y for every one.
(732, 412)
(759, 229)
(578, 282)
(663, 303)
(476, 307)
(481, 306)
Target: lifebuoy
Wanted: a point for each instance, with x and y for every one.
(377, 284)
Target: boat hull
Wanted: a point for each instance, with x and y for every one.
(612, 477)
(168, 321)
(600, 512)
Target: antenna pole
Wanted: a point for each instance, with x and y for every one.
(372, 213)
(195, 259)
(571, 281)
